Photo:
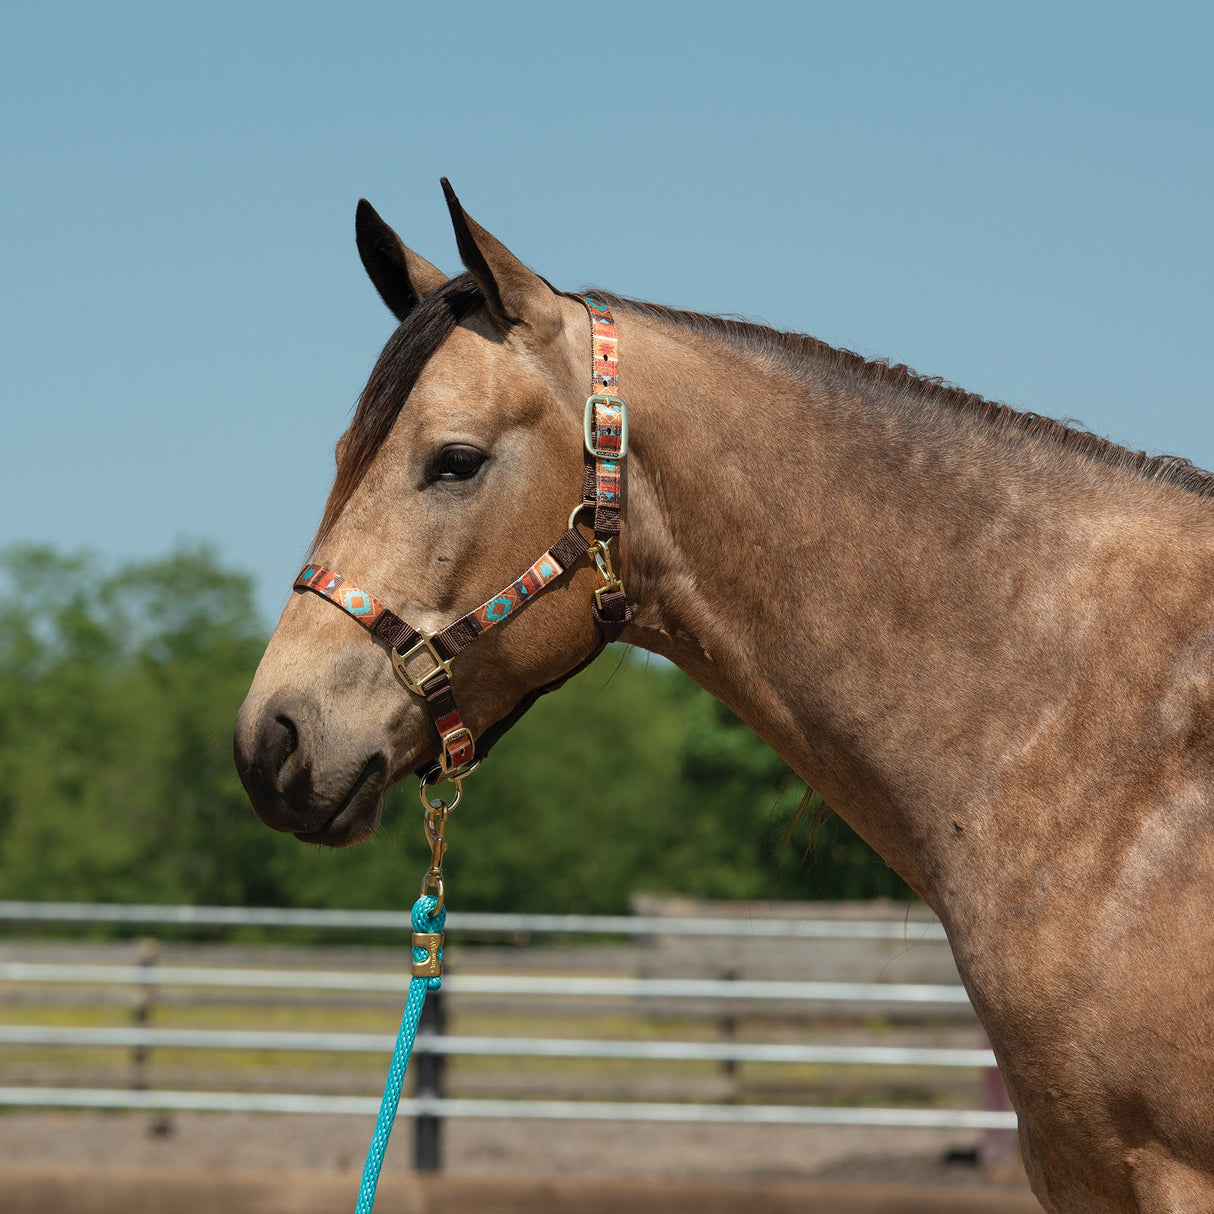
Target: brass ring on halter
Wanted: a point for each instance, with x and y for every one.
(438, 803)
(578, 510)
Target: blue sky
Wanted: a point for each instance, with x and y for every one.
(1015, 197)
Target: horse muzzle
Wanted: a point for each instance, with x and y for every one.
(275, 750)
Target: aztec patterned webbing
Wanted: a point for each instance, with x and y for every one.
(606, 434)
(604, 347)
(354, 602)
(517, 593)
(608, 417)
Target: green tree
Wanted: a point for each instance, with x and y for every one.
(757, 831)
(118, 693)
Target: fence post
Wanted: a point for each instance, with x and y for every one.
(729, 1033)
(428, 1128)
(160, 1123)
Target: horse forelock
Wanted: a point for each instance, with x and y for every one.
(392, 379)
(903, 387)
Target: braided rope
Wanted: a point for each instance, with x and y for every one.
(424, 920)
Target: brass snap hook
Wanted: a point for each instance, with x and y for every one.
(601, 552)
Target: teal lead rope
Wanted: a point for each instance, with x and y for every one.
(427, 921)
(429, 916)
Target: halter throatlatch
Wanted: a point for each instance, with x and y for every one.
(422, 659)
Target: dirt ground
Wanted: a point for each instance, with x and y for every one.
(28, 1191)
(237, 1142)
(97, 1163)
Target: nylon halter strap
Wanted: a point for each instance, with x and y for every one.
(423, 659)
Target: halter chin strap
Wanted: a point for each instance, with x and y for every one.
(423, 659)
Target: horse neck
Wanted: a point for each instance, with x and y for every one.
(901, 601)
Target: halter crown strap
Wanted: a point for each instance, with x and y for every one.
(606, 422)
(423, 659)
(606, 446)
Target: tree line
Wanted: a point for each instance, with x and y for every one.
(118, 692)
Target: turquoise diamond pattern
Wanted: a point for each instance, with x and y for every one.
(498, 609)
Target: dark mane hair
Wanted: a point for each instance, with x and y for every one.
(408, 350)
(797, 348)
(432, 321)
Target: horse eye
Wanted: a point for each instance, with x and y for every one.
(457, 464)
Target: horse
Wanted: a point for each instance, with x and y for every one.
(985, 637)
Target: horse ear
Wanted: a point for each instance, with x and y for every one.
(402, 278)
(514, 294)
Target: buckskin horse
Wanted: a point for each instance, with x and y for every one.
(985, 637)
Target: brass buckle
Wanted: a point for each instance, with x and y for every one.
(400, 662)
(437, 803)
(605, 398)
(445, 763)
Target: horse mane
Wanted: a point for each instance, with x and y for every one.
(796, 348)
(432, 321)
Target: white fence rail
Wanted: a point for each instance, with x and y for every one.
(587, 1110)
(515, 1047)
(489, 984)
(464, 921)
(729, 993)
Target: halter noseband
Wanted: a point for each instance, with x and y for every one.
(423, 659)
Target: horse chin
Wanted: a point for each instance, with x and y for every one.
(415, 761)
(354, 824)
(357, 817)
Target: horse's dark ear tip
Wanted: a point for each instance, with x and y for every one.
(448, 192)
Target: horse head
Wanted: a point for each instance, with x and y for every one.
(463, 459)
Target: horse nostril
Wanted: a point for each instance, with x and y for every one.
(270, 746)
(285, 741)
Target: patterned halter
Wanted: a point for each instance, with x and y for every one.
(422, 659)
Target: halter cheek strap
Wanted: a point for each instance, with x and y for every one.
(423, 659)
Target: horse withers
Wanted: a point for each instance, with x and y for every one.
(983, 636)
